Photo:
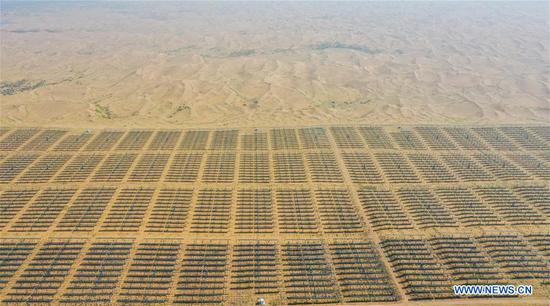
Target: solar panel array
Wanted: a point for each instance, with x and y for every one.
(294, 215)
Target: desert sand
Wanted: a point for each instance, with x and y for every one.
(273, 64)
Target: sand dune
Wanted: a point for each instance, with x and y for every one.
(165, 65)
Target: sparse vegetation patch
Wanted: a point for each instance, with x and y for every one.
(8, 88)
(103, 111)
(339, 45)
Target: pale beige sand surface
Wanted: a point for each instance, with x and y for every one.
(273, 64)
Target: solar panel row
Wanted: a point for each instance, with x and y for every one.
(304, 271)
(504, 138)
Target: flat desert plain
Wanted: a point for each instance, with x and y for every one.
(170, 64)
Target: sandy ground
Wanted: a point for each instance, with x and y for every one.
(273, 64)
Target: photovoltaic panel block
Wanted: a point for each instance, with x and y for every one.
(45, 274)
(43, 211)
(194, 140)
(104, 141)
